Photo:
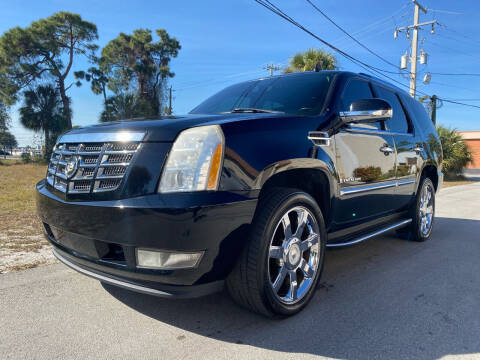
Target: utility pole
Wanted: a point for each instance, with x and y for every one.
(413, 63)
(433, 102)
(272, 68)
(416, 25)
(170, 100)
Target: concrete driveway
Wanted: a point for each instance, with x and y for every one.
(386, 298)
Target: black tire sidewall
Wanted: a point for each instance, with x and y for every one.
(295, 198)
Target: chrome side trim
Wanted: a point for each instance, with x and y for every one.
(373, 234)
(358, 189)
(101, 137)
(359, 115)
(353, 190)
(111, 281)
(375, 131)
(405, 182)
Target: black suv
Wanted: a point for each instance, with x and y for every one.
(247, 190)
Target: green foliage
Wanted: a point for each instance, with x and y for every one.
(42, 110)
(27, 158)
(136, 63)
(308, 60)
(455, 151)
(45, 48)
(125, 106)
(7, 141)
(369, 173)
(4, 117)
(96, 77)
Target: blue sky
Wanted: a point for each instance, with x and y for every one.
(224, 42)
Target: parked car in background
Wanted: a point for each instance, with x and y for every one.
(247, 190)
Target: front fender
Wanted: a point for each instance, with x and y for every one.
(257, 150)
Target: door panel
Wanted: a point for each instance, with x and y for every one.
(366, 168)
(407, 166)
(407, 169)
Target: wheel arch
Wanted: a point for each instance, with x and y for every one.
(430, 171)
(316, 180)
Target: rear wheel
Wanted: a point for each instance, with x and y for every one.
(423, 212)
(282, 263)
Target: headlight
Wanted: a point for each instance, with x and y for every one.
(194, 162)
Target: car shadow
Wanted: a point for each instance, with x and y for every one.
(384, 298)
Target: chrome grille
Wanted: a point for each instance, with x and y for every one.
(89, 166)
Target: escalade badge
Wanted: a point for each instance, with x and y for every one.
(71, 167)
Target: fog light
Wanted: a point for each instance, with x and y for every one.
(167, 260)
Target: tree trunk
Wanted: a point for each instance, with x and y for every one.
(104, 94)
(66, 102)
(48, 150)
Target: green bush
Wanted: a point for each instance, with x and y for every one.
(27, 158)
(455, 151)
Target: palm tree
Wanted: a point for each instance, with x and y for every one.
(310, 60)
(123, 106)
(42, 111)
(456, 154)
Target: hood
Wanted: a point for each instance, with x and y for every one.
(166, 129)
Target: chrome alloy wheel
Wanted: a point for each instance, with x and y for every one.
(294, 255)
(425, 211)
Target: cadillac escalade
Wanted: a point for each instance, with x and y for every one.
(246, 191)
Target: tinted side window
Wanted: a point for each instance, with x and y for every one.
(356, 90)
(417, 111)
(398, 122)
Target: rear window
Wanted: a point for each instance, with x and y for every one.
(398, 122)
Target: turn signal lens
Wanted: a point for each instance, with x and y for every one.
(214, 173)
(166, 260)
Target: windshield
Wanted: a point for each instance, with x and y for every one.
(300, 94)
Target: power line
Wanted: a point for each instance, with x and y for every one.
(456, 38)
(453, 86)
(459, 103)
(447, 12)
(464, 99)
(276, 10)
(350, 36)
(455, 74)
(459, 34)
(372, 26)
(214, 82)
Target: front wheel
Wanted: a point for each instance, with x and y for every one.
(281, 265)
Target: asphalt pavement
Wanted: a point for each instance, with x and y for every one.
(386, 298)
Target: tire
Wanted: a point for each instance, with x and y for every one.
(278, 252)
(423, 212)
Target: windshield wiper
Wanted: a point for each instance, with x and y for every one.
(254, 110)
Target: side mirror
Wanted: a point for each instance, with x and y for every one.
(367, 110)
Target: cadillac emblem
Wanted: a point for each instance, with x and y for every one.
(71, 167)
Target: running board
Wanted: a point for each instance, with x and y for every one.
(371, 235)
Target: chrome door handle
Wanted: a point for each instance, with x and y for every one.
(386, 150)
(418, 149)
(319, 138)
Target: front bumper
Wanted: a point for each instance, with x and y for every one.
(99, 238)
(160, 290)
